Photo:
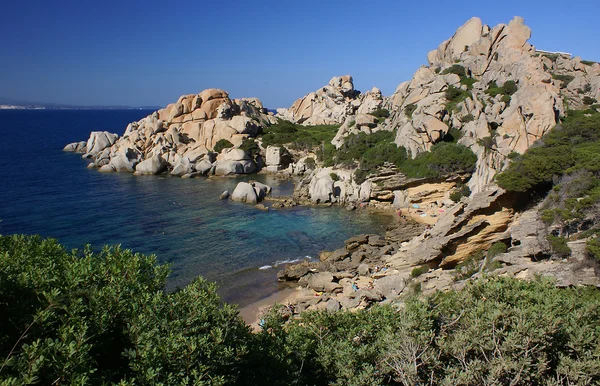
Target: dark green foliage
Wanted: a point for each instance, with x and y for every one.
(455, 95)
(453, 135)
(418, 271)
(369, 151)
(552, 57)
(593, 248)
(455, 69)
(410, 109)
(565, 79)
(508, 88)
(558, 245)
(572, 146)
(589, 100)
(89, 318)
(300, 137)
(487, 142)
(444, 158)
(462, 190)
(310, 163)
(468, 82)
(381, 115)
(334, 176)
(496, 331)
(250, 147)
(222, 144)
(588, 62)
(496, 249)
(468, 118)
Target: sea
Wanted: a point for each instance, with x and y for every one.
(48, 192)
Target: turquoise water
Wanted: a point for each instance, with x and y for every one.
(48, 192)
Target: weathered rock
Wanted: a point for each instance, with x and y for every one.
(98, 141)
(322, 282)
(77, 147)
(244, 192)
(154, 165)
(224, 195)
(203, 167)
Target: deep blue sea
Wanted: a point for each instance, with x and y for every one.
(46, 191)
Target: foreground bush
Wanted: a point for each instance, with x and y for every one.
(89, 318)
(494, 332)
(104, 318)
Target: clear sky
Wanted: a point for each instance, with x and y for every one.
(150, 52)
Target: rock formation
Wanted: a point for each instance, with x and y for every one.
(180, 137)
(332, 104)
(493, 122)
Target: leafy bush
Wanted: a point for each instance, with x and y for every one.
(90, 318)
(410, 109)
(589, 100)
(418, 271)
(496, 331)
(462, 190)
(558, 245)
(444, 158)
(453, 135)
(588, 62)
(299, 136)
(569, 147)
(455, 95)
(250, 147)
(468, 118)
(468, 82)
(380, 113)
(565, 79)
(496, 249)
(593, 248)
(508, 88)
(334, 176)
(455, 69)
(222, 144)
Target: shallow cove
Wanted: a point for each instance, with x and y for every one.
(48, 192)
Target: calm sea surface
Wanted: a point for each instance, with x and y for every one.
(182, 221)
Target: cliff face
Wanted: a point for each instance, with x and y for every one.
(508, 96)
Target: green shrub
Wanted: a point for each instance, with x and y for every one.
(461, 190)
(468, 118)
(410, 109)
(509, 87)
(370, 151)
(334, 176)
(91, 318)
(558, 245)
(250, 147)
(380, 113)
(444, 158)
(589, 100)
(593, 248)
(470, 266)
(310, 163)
(222, 144)
(418, 271)
(453, 135)
(468, 82)
(572, 146)
(298, 136)
(588, 62)
(565, 79)
(455, 69)
(455, 95)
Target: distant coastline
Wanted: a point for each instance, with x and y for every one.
(14, 104)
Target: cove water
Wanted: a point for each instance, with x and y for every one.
(46, 191)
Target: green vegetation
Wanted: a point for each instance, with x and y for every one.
(250, 147)
(468, 118)
(89, 318)
(468, 82)
(455, 95)
(569, 147)
(104, 318)
(588, 62)
(380, 114)
(565, 79)
(410, 109)
(418, 271)
(222, 144)
(334, 176)
(589, 100)
(298, 136)
(453, 135)
(558, 245)
(455, 69)
(593, 248)
(508, 88)
(462, 190)
(470, 266)
(444, 158)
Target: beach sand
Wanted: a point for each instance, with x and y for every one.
(251, 313)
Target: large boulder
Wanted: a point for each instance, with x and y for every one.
(154, 165)
(98, 141)
(77, 147)
(244, 192)
(125, 160)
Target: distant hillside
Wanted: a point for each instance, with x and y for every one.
(10, 103)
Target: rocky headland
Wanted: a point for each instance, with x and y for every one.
(484, 99)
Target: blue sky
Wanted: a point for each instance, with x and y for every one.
(149, 52)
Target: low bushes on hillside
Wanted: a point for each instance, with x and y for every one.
(444, 158)
(299, 136)
(103, 318)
